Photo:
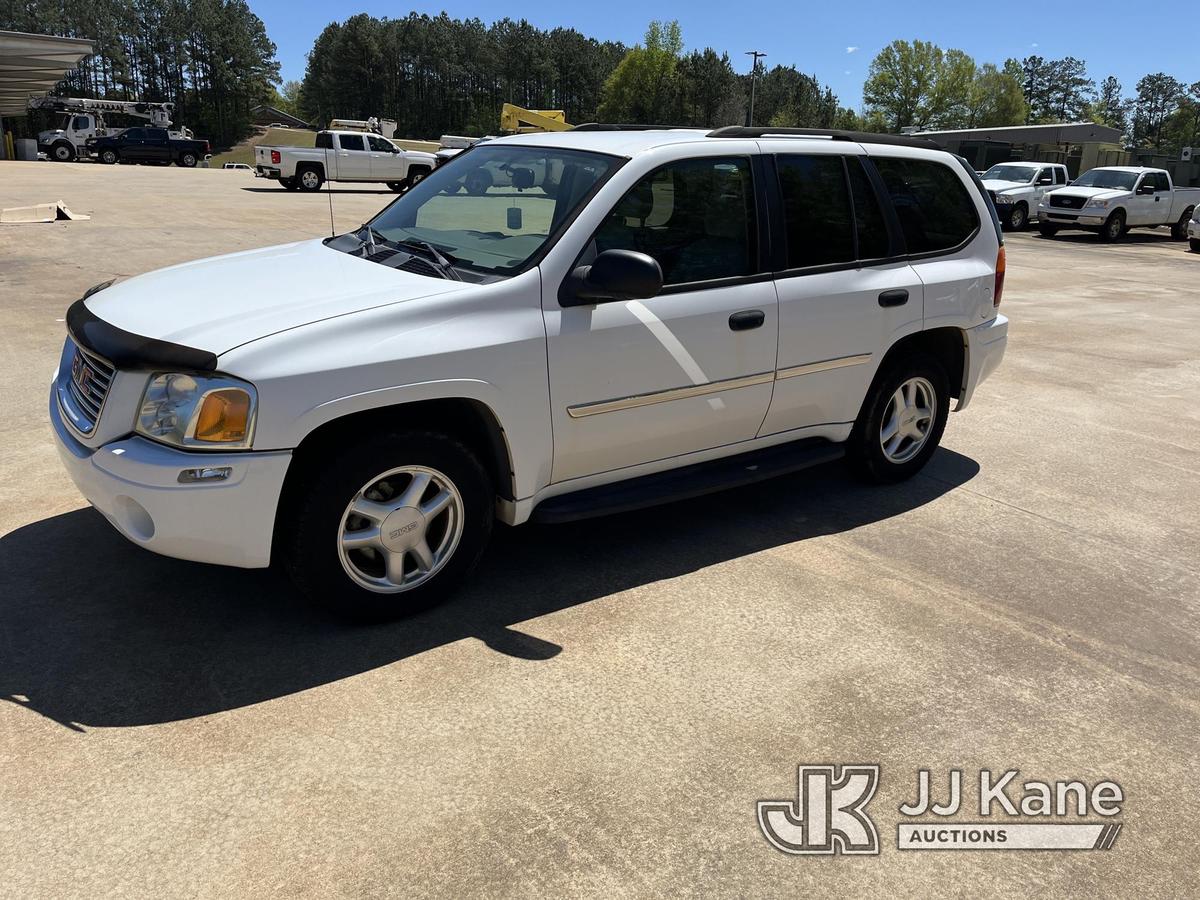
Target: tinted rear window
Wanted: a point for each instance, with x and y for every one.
(816, 210)
(352, 142)
(324, 141)
(935, 210)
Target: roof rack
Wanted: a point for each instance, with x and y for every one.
(858, 137)
(605, 126)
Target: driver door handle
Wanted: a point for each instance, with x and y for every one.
(747, 319)
(898, 297)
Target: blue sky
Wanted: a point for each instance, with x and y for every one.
(833, 40)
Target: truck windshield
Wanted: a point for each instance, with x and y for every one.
(1107, 178)
(494, 207)
(1021, 174)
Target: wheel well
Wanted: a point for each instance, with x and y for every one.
(946, 345)
(315, 166)
(419, 168)
(470, 421)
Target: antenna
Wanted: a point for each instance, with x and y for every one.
(329, 191)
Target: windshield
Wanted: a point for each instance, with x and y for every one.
(1021, 174)
(493, 208)
(1107, 178)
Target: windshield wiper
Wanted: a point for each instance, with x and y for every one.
(443, 263)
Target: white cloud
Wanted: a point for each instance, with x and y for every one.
(1034, 44)
(847, 72)
(851, 49)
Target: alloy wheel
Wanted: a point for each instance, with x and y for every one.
(908, 420)
(400, 529)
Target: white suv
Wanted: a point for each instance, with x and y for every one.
(678, 312)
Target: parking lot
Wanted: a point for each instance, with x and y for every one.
(601, 708)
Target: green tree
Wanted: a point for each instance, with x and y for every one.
(920, 85)
(1158, 98)
(996, 97)
(1111, 108)
(643, 87)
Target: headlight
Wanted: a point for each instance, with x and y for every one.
(198, 412)
(1098, 204)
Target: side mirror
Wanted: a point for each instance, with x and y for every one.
(1145, 189)
(616, 275)
(1045, 179)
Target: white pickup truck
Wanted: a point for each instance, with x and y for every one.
(343, 156)
(364, 407)
(1017, 187)
(1113, 199)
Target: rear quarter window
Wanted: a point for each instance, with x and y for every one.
(935, 209)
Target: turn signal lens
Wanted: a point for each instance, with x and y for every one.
(275, 157)
(999, 277)
(224, 417)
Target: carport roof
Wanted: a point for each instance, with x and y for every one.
(31, 64)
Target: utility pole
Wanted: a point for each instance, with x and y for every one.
(753, 75)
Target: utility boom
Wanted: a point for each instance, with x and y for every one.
(83, 118)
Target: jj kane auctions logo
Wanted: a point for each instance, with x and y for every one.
(829, 815)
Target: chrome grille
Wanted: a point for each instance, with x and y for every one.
(83, 390)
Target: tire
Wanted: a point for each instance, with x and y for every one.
(1018, 219)
(478, 182)
(367, 581)
(397, 186)
(309, 179)
(187, 160)
(109, 157)
(288, 183)
(416, 175)
(1047, 230)
(1113, 228)
(918, 380)
(1179, 229)
(62, 152)
(1194, 244)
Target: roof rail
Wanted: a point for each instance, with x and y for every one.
(606, 126)
(858, 137)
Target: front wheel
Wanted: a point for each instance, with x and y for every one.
(109, 157)
(388, 527)
(1046, 230)
(1019, 217)
(1194, 244)
(901, 421)
(62, 152)
(1113, 228)
(397, 186)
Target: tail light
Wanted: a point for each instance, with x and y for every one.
(207, 149)
(275, 157)
(999, 277)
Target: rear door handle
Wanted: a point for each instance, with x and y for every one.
(898, 297)
(747, 319)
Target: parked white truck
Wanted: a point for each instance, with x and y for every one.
(1113, 199)
(1194, 230)
(343, 156)
(1016, 188)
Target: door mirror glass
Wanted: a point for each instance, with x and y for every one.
(614, 276)
(1046, 179)
(1146, 187)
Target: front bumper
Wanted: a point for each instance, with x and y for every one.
(985, 348)
(134, 482)
(1067, 218)
(1194, 229)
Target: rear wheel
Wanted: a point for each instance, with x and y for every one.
(1113, 228)
(109, 157)
(309, 180)
(187, 160)
(62, 152)
(901, 421)
(1179, 229)
(1194, 244)
(1046, 230)
(389, 526)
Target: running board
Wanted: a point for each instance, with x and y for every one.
(689, 481)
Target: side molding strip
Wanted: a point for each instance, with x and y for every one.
(681, 393)
(824, 365)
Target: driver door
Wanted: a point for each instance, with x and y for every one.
(690, 369)
(386, 163)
